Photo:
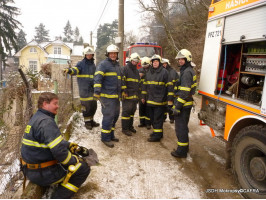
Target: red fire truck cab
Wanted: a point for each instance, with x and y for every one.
(143, 49)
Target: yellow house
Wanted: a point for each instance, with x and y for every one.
(33, 55)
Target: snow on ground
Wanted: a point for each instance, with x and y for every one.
(134, 168)
(8, 173)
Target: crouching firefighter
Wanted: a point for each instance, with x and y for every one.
(107, 88)
(85, 70)
(184, 90)
(130, 94)
(46, 157)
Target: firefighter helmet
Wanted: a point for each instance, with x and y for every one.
(164, 60)
(134, 57)
(145, 61)
(156, 57)
(184, 53)
(112, 48)
(88, 50)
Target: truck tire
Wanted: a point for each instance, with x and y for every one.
(249, 161)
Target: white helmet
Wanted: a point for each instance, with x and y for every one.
(88, 50)
(156, 57)
(112, 48)
(164, 60)
(145, 61)
(184, 53)
(134, 57)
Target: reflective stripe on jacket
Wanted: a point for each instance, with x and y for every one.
(84, 70)
(185, 87)
(107, 79)
(42, 141)
(156, 87)
(131, 81)
(173, 77)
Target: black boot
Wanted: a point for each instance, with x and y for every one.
(126, 132)
(94, 124)
(181, 152)
(88, 125)
(148, 127)
(141, 125)
(154, 139)
(109, 144)
(132, 129)
(115, 139)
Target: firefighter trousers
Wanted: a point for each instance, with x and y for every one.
(128, 110)
(157, 117)
(110, 111)
(181, 129)
(55, 174)
(90, 109)
(144, 117)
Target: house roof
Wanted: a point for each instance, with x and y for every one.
(32, 43)
(76, 49)
(58, 42)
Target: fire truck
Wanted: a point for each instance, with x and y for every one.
(233, 89)
(143, 49)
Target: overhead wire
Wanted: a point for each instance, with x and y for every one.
(100, 16)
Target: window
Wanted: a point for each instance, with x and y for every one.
(57, 50)
(146, 51)
(33, 66)
(33, 50)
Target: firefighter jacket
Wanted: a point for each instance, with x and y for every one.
(84, 70)
(156, 87)
(131, 81)
(107, 79)
(42, 141)
(173, 77)
(185, 87)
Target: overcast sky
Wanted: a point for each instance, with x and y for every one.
(81, 13)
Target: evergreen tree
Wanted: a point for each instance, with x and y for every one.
(42, 35)
(21, 39)
(76, 35)
(8, 23)
(80, 42)
(68, 32)
(105, 35)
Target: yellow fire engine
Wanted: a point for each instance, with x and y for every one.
(233, 88)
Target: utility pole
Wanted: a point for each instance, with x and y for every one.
(120, 39)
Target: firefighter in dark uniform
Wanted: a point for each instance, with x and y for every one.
(108, 88)
(173, 78)
(85, 70)
(46, 156)
(144, 117)
(155, 92)
(130, 94)
(184, 90)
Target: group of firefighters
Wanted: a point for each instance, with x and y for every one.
(156, 87)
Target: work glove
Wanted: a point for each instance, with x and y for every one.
(175, 111)
(124, 95)
(96, 96)
(82, 151)
(72, 147)
(65, 71)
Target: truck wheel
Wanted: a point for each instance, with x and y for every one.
(249, 161)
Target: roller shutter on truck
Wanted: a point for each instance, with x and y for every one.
(250, 25)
